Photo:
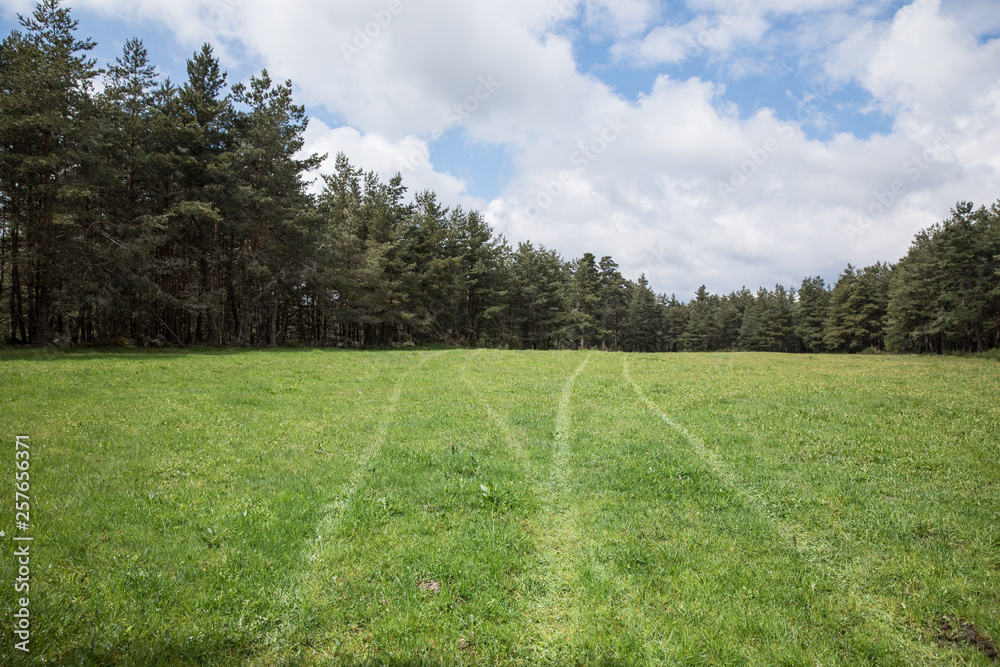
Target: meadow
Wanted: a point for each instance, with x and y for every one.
(450, 507)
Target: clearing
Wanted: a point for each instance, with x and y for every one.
(522, 508)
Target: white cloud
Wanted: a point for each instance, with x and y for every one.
(663, 198)
(620, 18)
(713, 33)
(409, 156)
(923, 61)
(938, 82)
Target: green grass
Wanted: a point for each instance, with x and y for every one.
(481, 507)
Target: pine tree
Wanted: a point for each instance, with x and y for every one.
(911, 301)
(47, 130)
(643, 325)
(699, 332)
(943, 294)
(130, 227)
(203, 115)
(965, 268)
(675, 319)
(779, 313)
(482, 275)
(754, 326)
(811, 316)
(362, 262)
(431, 261)
(585, 300)
(539, 283)
(840, 334)
(857, 315)
(727, 320)
(262, 220)
(614, 305)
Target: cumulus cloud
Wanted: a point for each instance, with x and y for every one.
(409, 157)
(620, 18)
(710, 34)
(695, 192)
(947, 95)
(690, 192)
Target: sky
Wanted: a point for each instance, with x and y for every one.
(727, 143)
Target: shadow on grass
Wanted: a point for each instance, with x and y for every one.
(166, 655)
(159, 654)
(91, 353)
(422, 661)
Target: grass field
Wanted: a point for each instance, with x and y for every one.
(481, 507)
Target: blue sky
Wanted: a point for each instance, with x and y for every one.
(725, 142)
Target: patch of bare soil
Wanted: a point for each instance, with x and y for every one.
(960, 631)
(430, 585)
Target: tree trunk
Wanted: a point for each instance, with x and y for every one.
(17, 323)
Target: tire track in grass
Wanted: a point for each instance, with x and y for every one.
(550, 616)
(729, 478)
(361, 468)
(515, 444)
(812, 548)
(533, 475)
(553, 615)
(333, 512)
(558, 536)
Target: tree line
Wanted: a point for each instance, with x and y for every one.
(135, 209)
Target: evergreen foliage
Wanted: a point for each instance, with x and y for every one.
(181, 214)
